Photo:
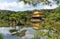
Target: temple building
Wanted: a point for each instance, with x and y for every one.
(36, 18)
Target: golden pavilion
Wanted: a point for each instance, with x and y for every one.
(36, 18)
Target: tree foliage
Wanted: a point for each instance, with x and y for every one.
(34, 2)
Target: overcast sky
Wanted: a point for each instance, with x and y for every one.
(14, 5)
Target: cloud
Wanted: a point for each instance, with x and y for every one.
(16, 6)
(50, 7)
(12, 5)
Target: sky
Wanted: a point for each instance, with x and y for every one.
(14, 5)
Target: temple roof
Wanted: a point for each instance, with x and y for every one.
(37, 13)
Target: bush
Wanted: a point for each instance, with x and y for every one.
(1, 36)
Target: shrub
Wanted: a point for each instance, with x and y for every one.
(1, 36)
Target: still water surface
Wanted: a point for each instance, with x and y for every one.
(7, 35)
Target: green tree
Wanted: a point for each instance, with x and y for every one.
(13, 18)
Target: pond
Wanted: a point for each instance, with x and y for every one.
(7, 35)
